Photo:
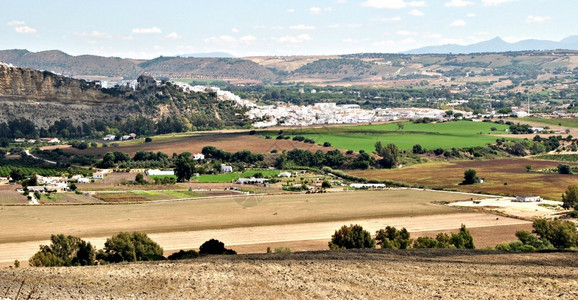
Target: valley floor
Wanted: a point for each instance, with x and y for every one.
(356, 274)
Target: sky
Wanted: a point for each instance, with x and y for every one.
(147, 29)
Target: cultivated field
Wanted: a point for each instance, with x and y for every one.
(231, 142)
(501, 176)
(430, 136)
(361, 274)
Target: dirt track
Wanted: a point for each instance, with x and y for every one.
(373, 274)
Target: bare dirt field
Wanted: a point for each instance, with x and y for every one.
(231, 142)
(501, 176)
(353, 274)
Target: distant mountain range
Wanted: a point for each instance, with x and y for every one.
(499, 45)
(208, 54)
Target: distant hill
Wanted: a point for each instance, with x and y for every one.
(208, 54)
(499, 45)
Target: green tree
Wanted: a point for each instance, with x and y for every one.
(184, 167)
(560, 233)
(139, 179)
(325, 184)
(564, 169)
(17, 174)
(214, 247)
(389, 154)
(129, 247)
(391, 238)
(470, 176)
(463, 239)
(570, 196)
(349, 237)
(183, 255)
(64, 251)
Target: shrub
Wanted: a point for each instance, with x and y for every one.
(470, 176)
(282, 250)
(463, 239)
(560, 233)
(183, 255)
(391, 238)
(570, 197)
(214, 247)
(127, 247)
(64, 251)
(564, 169)
(148, 140)
(349, 237)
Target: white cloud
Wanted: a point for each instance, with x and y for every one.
(220, 39)
(94, 34)
(387, 43)
(354, 25)
(315, 10)
(536, 19)
(291, 10)
(302, 27)
(416, 12)
(394, 19)
(234, 30)
(289, 39)
(147, 30)
(248, 39)
(341, 1)
(471, 15)
(174, 36)
(16, 23)
(25, 29)
(458, 3)
(408, 41)
(333, 26)
(406, 33)
(392, 4)
(495, 2)
(318, 10)
(458, 23)
(259, 27)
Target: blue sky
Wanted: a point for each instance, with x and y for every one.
(147, 29)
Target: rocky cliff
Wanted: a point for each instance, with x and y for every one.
(29, 84)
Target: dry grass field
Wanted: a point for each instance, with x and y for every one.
(496, 174)
(354, 274)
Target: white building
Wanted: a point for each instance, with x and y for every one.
(367, 185)
(83, 180)
(157, 172)
(98, 175)
(199, 156)
(252, 180)
(109, 137)
(527, 198)
(226, 169)
(284, 174)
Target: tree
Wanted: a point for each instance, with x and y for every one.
(560, 233)
(139, 179)
(17, 174)
(391, 238)
(184, 167)
(463, 239)
(570, 196)
(470, 176)
(350, 237)
(325, 184)
(389, 154)
(214, 247)
(64, 251)
(417, 149)
(564, 169)
(129, 247)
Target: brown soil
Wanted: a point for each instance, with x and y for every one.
(231, 142)
(354, 274)
(501, 176)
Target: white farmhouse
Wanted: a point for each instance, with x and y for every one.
(527, 198)
(199, 156)
(157, 172)
(226, 169)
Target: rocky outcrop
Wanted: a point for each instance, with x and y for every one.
(28, 84)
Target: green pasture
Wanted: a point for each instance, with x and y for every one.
(448, 135)
(228, 177)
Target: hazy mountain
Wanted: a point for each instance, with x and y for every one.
(499, 45)
(208, 54)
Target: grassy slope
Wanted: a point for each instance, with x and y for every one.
(228, 177)
(564, 122)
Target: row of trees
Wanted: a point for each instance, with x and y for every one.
(355, 237)
(67, 250)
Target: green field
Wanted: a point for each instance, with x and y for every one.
(563, 122)
(229, 177)
(430, 136)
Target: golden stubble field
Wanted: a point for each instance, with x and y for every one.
(246, 220)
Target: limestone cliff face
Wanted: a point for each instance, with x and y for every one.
(29, 84)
